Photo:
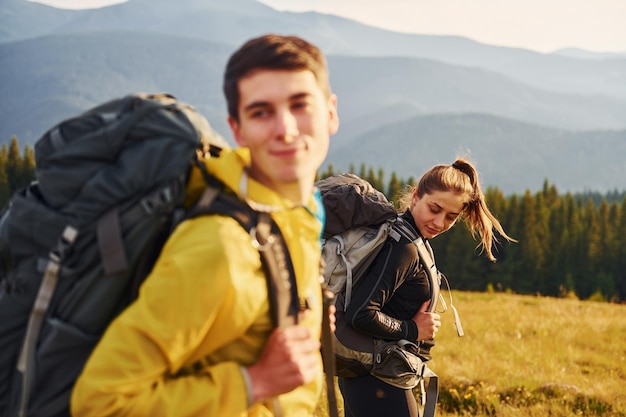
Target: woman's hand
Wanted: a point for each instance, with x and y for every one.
(427, 323)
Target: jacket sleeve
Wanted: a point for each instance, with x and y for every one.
(370, 310)
(193, 305)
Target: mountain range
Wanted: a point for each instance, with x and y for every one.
(406, 101)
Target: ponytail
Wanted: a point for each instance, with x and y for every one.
(462, 178)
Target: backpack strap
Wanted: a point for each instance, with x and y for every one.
(26, 361)
(427, 258)
(283, 290)
(429, 396)
(268, 240)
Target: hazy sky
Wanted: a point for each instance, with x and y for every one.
(541, 25)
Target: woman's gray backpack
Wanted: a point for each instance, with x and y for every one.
(359, 220)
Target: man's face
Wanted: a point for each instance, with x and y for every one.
(286, 121)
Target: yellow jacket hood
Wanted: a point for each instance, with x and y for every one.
(230, 169)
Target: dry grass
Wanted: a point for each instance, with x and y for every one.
(530, 356)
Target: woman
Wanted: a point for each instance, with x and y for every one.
(391, 301)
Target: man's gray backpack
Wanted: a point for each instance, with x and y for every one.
(359, 220)
(76, 244)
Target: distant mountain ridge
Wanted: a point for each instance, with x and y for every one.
(512, 155)
(585, 54)
(52, 78)
(75, 71)
(236, 20)
(392, 88)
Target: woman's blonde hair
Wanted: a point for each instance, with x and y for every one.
(460, 178)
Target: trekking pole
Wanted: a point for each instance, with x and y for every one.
(328, 354)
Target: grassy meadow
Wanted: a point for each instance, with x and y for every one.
(529, 356)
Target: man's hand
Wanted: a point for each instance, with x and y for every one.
(330, 309)
(290, 359)
(333, 319)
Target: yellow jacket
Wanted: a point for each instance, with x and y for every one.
(205, 299)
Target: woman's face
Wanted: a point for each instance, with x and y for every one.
(437, 212)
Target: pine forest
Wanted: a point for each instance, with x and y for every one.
(568, 245)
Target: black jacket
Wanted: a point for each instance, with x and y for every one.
(387, 297)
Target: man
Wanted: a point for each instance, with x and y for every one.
(206, 298)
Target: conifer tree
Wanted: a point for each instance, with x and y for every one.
(620, 257)
(575, 243)
(329, 172)
(558, 259)
(499, 273)
(531, 248)
(363, 171)
(593, 249)
(604, 279)
(5, 191)
(14, 166)
(394, 188)
(28, 166)
(376, 179)
(455, 252)
(372, 179)
(612, 244)
(543, 237)
(550, 195)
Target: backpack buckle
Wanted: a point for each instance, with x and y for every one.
(257, 244)
(161, 198)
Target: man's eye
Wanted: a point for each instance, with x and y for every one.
(299, 105)
(259, 113)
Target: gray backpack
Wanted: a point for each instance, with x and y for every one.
(359, 220)
(76, 244)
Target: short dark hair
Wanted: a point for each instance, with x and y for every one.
(272, 52)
